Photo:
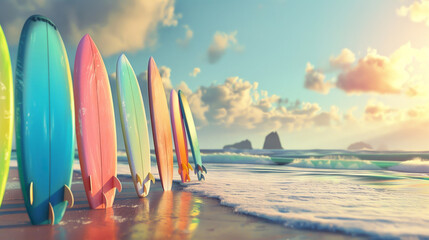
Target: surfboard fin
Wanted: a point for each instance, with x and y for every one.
(202, 177)
(150, 176)
(68, 196)
(185, 168)
(117, 184)
(204, 169)
(31, 193)
(51, 214)
(188, 179)
(190, 166)
(200, 168)
(139, 179)
(90, 184)
(145, 190)
(105, 200)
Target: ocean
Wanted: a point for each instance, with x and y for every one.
(367, 193)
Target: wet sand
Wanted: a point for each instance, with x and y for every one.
(171, 215)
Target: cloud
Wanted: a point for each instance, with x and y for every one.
(418, 11)
(239, 104)
(344, 60)
(315, 80)
(373, 73)
(221, 41)
(416, 90)
(189, 34)
(326, 119)
(115, 26)
(403, 72)
(376, 111)
(195, 72)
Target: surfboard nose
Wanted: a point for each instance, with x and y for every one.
(123, 59)
(173, 93)
(152, 63)
(86, 39)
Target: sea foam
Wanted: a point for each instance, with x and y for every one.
(416, 165)
(355, 202)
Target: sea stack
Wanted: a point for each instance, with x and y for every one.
(360, 146)
(246, 144)
(272, 141)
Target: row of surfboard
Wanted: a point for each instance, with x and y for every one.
(47, 106)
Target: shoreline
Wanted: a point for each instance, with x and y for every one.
(178, 214)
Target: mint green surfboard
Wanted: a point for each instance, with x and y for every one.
(134, 126)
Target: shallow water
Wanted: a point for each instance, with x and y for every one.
(333, 192)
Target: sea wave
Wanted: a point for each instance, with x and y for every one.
(416, 165)
(235, 158)
(334, 164)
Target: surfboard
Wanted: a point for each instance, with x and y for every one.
(134, 126)
(44, 121)
(95, 129)
(179, 136)
(192, 136)
(161, 127)
(6, 112)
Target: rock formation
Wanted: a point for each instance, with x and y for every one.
(360, 146)
(246, 144)
(272, 141)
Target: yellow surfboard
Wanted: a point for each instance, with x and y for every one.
(6, 112)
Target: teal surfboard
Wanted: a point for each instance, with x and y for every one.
(44, 121)
(192, 136)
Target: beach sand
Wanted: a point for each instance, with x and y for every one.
(171, 215)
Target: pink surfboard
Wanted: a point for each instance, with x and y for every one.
(179, 135)
(161, 127)
(95, 126)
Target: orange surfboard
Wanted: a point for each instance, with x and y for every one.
(179, 135)
(161, 127)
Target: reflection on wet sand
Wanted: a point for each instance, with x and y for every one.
(195, 212)
(164, 227)
(166, 215)
(102, 226)
(181, 212)
(187, 213)
(141, 227)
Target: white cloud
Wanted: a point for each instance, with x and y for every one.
(222, 41)
(195, 72)
(344, 60)
(238, 104)
(115, 26)
(315, 80)
(189, 34)
(418, 11)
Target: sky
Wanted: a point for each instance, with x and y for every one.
(323, 74)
